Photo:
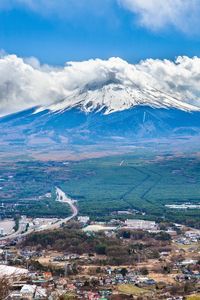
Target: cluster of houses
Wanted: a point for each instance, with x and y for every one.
(130, 278)
(25, 285)
(66, 257)
(29, 285)
(29, 292)
(189, 237)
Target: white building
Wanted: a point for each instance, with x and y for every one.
(12, 272)
(83, 220)
(188, 262)
(28, 291)
(140, 224)
(193, 234)
(40, 293)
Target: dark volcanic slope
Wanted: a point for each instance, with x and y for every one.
(76, 127)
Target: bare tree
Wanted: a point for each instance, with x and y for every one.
(4, 287)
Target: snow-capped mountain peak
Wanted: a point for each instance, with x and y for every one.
(114, 96)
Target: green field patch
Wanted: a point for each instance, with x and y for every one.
(130, 289)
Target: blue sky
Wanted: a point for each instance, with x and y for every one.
(157, 42)
(82, 29)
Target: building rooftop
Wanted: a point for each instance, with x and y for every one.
(11, 271)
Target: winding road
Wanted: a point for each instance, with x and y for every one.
(60, 197)
(63, 198)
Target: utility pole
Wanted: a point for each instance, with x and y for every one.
(66, 271)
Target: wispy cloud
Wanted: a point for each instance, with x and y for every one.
(62, 8)
(25, 83)
(156, 15)
(184, 15)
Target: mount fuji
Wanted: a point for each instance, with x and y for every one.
(113, 97)
(102, 114)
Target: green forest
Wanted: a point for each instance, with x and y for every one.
(143, 181)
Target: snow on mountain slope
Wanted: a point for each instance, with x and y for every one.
(113, 97)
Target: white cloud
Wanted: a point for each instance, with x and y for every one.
(25, 83)
(183, 15)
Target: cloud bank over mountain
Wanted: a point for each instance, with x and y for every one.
(25, 83)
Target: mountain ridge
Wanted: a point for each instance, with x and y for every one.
(112, 97)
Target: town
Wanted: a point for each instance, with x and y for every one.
(83, 259)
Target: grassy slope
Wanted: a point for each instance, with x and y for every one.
(130, 289)
(194, 297)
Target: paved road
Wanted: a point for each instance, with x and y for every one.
(15, 234)
(60, 197)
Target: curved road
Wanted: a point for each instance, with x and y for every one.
(63, 198)
(60, 197)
